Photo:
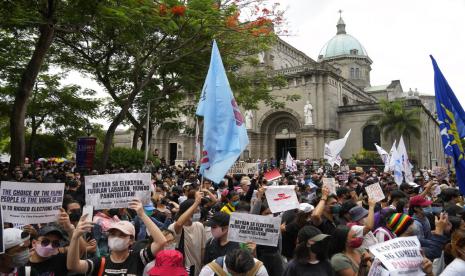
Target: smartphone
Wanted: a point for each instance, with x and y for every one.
(89, 210)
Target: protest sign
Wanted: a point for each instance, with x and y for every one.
(31, 203)
(401, 255)
(272, 175)
(108, 191)
(330, 183)
(262, 230)
(377, 269)
(375, 192)
(2, 245)
(243, 168)
(281, 198)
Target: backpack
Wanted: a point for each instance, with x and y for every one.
(217, 267)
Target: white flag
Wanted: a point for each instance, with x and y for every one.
(406, 166)
(334, 148)
(390, 166)
(290, 163)
(382, 153)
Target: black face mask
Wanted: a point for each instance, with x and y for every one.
(320, 249)
(75, 215)
(113, 212)
(72, 183)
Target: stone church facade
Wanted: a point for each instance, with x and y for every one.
(335, 95)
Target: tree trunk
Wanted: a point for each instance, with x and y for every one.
(32, 138)
(23, 93)
(136, 136)
(144, 133)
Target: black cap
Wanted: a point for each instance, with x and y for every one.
(50, 229)
(218, 219)
(310, 233)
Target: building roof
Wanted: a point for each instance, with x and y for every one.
(342, 44)
(376, 88)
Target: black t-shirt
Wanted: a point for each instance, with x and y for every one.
(295, 268)
(133, 266)
(54, 266)
(213, 249)
(327, 226)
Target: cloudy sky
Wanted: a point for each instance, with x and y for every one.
(399, 36)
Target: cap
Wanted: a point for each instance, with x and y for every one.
(13, 237)
(185, 184)
(413, 184)
(168, 263)
(218, 219)
(149, 207)
(357, 213)
(125, 227)
(310, 233)
(419, 201)
(51, 229)
(306, 208)
(398, 223)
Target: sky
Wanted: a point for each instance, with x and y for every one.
(399, 36)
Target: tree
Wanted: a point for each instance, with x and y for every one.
(33, 25)
(164, 47)
(396, 120)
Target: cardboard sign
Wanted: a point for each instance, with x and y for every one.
(108, 191)
(400, 255)
(2, 245)
(262, 230)
(243, 168)
(281, 198)
(272, 175)
(377, 269)
(31, 203)
(375, 192)
(330, 183)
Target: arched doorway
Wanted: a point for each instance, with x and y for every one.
(370, 137)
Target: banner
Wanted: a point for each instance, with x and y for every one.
(272, 175)
(31, 203)
(375, 192)
(2, 245)
(109, 191)
(262, 230)
(401, 255)
(243, 168)
(85, 152)
(281, 198)
(330, 183)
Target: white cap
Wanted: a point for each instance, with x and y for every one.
(413, 184)
(12, 237)
(306, 208)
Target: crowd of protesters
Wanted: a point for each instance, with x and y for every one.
(183, 231)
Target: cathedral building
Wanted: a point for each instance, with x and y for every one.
(335, 95)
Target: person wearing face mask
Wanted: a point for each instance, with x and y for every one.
(218, 245)
(419, 209)
(347, 257)
(457, 266)
(190, 234)
(311, 255)
(16, 245)
(325, 215)
(232, 201)
(122, 260)
(103, 221)
(73, 209)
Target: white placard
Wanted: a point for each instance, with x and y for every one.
(377, 269)
(375, 192)
(108, 191)
(243, 168)
(262, 230)
(2, 245)
(400, 255)
(281, 198)
(330, 183)
(30, 202)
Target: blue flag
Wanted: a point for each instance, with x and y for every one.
(451, 118)
(224, 132)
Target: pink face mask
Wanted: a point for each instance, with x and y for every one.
(46, 251)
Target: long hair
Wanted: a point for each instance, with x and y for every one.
(339, 240)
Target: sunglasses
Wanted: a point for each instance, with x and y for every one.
(46, 242)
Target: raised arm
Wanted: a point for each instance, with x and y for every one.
(158, 239)
(184, 218)
(370, 222)
(73, 261)
(320, 207)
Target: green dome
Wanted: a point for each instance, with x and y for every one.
(342, 44)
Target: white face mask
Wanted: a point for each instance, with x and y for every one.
(196, 217)
(118, 244)
(170, 246)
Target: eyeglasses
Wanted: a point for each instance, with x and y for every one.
(46, 242)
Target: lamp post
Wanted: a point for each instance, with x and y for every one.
(167, 97)
(88, 129)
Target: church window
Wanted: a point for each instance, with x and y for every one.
(370, 137)
(357, 73)
(345, 100)
(352, 73)
(354, 52)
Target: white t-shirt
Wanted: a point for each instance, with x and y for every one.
(456, 268)
(207, 271)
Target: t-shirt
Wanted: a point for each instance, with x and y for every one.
(295, 268)
(340, 262)
(213, 249)
(194, 241)
(207, 271)
(457, 267)
(132, 266)
(53, 266)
